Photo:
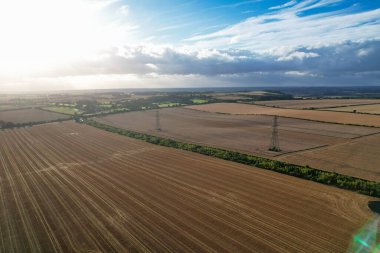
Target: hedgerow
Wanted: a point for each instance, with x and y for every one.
(359, 185)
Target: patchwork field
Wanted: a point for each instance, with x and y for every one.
(67, 187)
(372, 109)
(317, 103)
(30, 115)
(244, 133)
(325, 116)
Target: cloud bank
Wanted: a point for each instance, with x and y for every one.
(285, 46)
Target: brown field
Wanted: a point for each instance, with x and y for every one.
(325, 116)
(30, 115)
(243, 133)
(372, 109)
(5, 107)
(359, 158)
(72, 188)
(317, 103)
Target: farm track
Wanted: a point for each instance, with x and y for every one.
(72, 188)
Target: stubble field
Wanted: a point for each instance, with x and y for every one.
(324, 116)
(317, 103)
(371, 109)
(243, 133)
(73, 188)
(30, 115)
(359, 158)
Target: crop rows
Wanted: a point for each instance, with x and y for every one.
(314, 115)
(72, 188)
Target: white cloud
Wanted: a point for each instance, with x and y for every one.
(124, 9)
(287, 4)
(286, 28)
(364, 52)
(280, 47)
(300, 73)
(152, 66)
(297, 55)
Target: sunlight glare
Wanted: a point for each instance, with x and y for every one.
(39, 34)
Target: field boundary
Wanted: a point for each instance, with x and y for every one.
(362, 186)
(17, 109)
(309, 108)
(367, 113)
(47, 110)
(11, 125)
(262, 114)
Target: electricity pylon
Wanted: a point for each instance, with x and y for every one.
(275, 144)
(158, 125)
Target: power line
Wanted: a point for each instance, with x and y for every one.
(275, 144)
(158, 124)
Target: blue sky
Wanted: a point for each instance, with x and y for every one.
(171, 21)
(80, 44)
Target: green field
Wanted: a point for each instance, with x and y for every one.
(105, 106)
(199, 101)
(63, 110)
(168, 104)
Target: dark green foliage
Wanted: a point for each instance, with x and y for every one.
(362, 186)
(274, 149)
(7, 125)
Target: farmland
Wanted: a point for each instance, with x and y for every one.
(317, 103)
(29, 115)
(199, 101)
(68, 187)
(5, 107)
(63, 109)
(359, 158)
(243, 133)
(371, 109)
(250, 95)
(324, 116)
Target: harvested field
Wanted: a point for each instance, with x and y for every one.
(30, 115)
(243, 133)
(371, 109)
(317, 103)
(324, 116)
(8, 107)
(358, 158)
(72, 188)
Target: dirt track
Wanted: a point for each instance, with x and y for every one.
(72, 188)
(324, 116)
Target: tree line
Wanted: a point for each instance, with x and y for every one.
(8, 125)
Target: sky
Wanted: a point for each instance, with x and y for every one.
(105, 44)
